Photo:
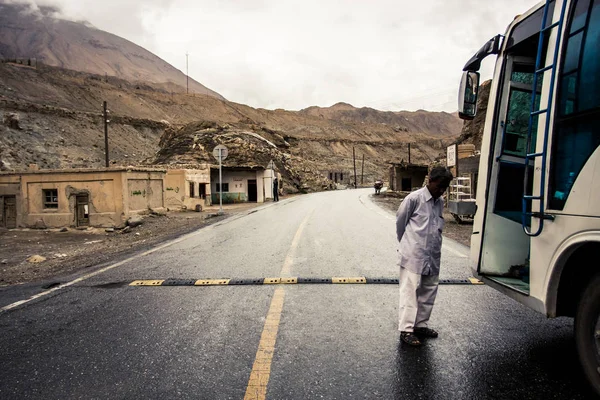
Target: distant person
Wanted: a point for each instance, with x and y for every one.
(276, 189)
(419, 224)
(378, 185)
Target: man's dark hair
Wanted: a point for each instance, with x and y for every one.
(440, 174)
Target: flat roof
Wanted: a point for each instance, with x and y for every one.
(238, 167)
(83, 170)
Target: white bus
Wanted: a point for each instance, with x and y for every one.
(536, 234)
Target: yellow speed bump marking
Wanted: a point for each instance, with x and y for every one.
(475, 281)
(211, 282)
(261, 369)
(272, 281)
(147, 283)
(358, 279)
(289, 280)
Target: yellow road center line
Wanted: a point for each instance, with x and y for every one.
(261, 369)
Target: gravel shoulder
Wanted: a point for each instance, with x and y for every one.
(51, 252)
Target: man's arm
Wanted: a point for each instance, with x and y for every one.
(403, 215)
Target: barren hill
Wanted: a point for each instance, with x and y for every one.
(60, 125)
(434, 123)
(29, 34)
(51, 111)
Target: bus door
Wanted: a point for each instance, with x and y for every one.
(505, 247)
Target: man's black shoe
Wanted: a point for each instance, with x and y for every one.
(410, 339)
(427, 332)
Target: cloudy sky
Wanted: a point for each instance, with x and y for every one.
(385, 54)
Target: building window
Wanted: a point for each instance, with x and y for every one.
(192, 191)
(50, 198)
(225, 187)
(576, 134)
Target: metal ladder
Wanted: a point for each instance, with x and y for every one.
(527, 198)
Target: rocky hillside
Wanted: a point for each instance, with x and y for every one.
(60, 125)
(434, 123)
(26, 34)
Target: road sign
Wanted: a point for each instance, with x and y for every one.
(220, 152)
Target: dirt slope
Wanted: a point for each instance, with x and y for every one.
(60, 124)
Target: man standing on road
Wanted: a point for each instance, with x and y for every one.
(276, 189)
(419, 224)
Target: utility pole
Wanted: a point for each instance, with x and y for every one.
(105, 119)
(354, 160)
(187, 75)
(220, 181)
(362, 171)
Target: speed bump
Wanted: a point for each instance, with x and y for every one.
(211, 282)
(290, 280)
(360, 279)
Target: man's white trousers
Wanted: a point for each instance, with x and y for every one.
(417, 296)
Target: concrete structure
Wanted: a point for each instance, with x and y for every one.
(243, 184)
(338, 176)
(406, 177)
(103, 197)
(187, 188)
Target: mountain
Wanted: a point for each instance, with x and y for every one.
(29, 34)
(50, 113)
(434, 123)
(52, 117)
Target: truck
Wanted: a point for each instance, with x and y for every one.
(536, 230)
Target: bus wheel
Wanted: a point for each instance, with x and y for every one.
(587, 332)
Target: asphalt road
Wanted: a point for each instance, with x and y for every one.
(99, 338)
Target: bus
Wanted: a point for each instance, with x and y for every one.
(536, 231)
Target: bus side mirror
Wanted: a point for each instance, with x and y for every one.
(467, 95)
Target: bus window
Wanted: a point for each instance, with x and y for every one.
(576, 135)
(519, 107)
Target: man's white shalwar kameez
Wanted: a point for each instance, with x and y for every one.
(419, 225)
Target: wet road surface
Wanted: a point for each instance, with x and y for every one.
(99, 338)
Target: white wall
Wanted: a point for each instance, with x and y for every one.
(238, 182)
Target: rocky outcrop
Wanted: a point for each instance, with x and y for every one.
(248, 145)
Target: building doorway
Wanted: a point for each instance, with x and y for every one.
(406, 184)
(252, 190)
(82, 210)
(9, 212)
(202, 190)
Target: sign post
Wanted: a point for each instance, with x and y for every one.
(220, 153)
